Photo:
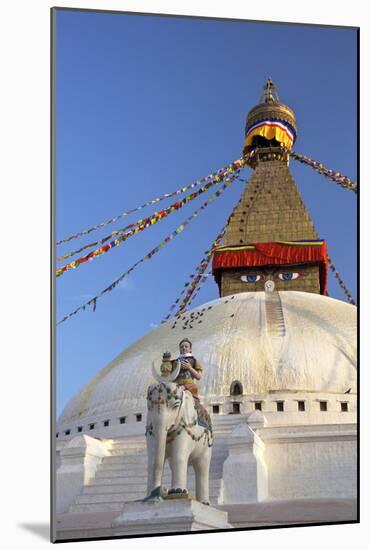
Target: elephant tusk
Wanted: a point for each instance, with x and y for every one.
(166, 379)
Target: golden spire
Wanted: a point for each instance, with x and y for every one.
(270, 94)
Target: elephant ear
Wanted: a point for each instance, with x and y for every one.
(189, 411)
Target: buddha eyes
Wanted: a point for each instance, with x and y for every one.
(288, 276)
(251, 278)
(283, 276)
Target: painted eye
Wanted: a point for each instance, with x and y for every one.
(288, 276)
(250, 278)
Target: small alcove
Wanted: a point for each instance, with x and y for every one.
(236, 388)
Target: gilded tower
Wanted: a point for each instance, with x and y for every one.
(270, 242)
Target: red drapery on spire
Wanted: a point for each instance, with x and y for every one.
(273, 253)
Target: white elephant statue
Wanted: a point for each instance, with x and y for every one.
(173, 433)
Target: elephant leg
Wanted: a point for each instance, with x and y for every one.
(149, 486)
(150, 471)
(154, 470)
(202, 468)
(179, 473)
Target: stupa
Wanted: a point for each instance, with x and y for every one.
(279, 380)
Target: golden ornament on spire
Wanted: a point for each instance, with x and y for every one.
(269, 125)
(270, 94)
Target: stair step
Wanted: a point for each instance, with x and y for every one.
(110, 480)
(123, 459)
(138, 474)
(128, 456)
(129, 448)
(125, 444)
(124, 496)
(126, 481)
(142, 460)
(114, 489)
(123, 488)
(128, 453)
(142, 454)
(140, 469)
(108, 504)
(133, 478)
(131, 468)
(120, 497)
(115, 475)
(96, 498)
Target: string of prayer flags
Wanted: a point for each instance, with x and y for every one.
(198, 276)
(202, 280)
(92, 302)
(143, 223)
(201, 270)
(187, 285)
(140, 226)
(204, 264)
(341, 283)
(343, 181)
(238, 163)
(100, 241)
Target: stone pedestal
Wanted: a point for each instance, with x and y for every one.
(172, 516)
(245, 474)
(78, 463)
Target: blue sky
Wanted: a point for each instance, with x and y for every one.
(145, 105)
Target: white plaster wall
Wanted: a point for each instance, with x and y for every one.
(311, 469)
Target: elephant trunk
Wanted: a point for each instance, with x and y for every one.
(160, 438)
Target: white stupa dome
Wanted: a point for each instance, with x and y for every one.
(287, 340)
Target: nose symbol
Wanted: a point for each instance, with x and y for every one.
(269, 286)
